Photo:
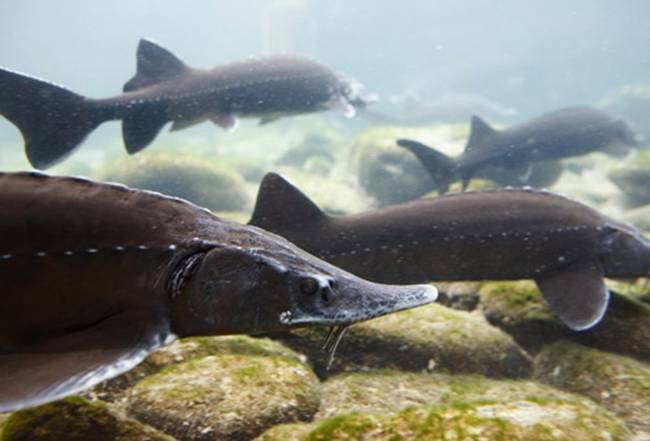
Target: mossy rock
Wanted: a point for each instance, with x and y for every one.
(75, 419)
(387, 173)
(192, 348)
(432, 337)
(229, 396)
(287, 432)
(312, 145)
(520, 309)
(208, 184)
(459, 295)
(618, 383)
(392, 391)
(633, 178)
(521, 420)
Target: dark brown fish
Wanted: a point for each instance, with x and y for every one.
(95, 276)
(565, 246)
(560, 134)
(54, 121)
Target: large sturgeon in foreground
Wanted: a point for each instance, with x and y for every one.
(565, 246)
(54, 120)
(95, 276)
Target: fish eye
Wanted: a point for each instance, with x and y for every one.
(309, 286)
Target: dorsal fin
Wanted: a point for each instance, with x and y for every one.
(280, 203)
(480, 132)
(154, 64)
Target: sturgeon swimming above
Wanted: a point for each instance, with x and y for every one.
(54, 121)
(95, 276)
(555, 135)
(565, 246)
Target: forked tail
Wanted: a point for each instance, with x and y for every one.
(442, 168)
(52, 120)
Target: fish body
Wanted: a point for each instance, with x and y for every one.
(560, 134)
(565, 246)
(54, 121)
(95, 276)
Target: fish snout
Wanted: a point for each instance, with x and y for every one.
(329, 301)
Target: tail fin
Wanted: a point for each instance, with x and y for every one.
(52, 120)
(441, 167)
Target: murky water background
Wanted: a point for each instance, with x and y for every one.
(433, 65)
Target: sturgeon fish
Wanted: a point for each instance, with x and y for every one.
(573, 131)
(565, 246)
(95, 276)
(54, 121)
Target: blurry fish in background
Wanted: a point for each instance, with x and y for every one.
(54, 121)
(411, 108)
(560, 134)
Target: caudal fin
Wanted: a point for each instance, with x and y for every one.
(52, 120)
(441, 167)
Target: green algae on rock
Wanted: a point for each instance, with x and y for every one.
(519, 309)
(432, 337)
(191, 348)
(389, 174)
(75, 419)
(287, 432)
(392, 391)
(521, 420)
(206, 183)
(227, 396)
(618, 383)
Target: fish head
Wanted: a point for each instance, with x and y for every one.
(625, 252)
(277, 286)
(626, 135)
(350, 95)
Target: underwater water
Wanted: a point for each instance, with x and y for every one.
(496, 150)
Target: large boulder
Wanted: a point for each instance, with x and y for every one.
(396, 405)
(225, 391)
(520, 309)
(387, 173)
(208, 184)
(75, 419)
(188, 349)
(618, 383)
(431, 338)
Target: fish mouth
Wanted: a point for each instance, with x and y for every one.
(363, 305)
(359, 306)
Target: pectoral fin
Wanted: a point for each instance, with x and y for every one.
(577, 294)
(56, 367)
(523, 171)
(228, 122)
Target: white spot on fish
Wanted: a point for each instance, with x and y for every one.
(561, 258)
(6, 256)
(171, 247)
(41, 254)
(119, 248)
(92, 250)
